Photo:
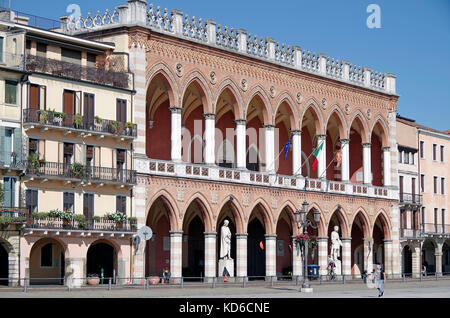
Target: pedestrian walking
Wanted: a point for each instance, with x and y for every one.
(380, 277)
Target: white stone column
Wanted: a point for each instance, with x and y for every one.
(438, 258)
(240, 144)
(367, 163)
(323, 254)
(241, 255)
(345, 169)
(296, 152)
(346, 256)
(297, 261)
(388, 257)
(210, 254)
(321, 173)
(386, 166)
(176, 240)
(175, 134)
(210, 126)
(271, 256)
(269, 147)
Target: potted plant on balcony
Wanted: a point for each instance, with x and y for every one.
(33, 162)
(129, 126)
(80, 220)
(133, 222)
(118, 217)
(98, 123)
(78, 170)
(77, 120)
(43, 116)
(93, 279)
(114, 127)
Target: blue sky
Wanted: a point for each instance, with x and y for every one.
(413, 41)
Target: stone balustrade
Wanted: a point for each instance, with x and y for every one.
(207, 32)
(216, 173)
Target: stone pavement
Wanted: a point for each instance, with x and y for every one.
(425, 289)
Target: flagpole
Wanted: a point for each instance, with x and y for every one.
(280, 153)
(313, 150)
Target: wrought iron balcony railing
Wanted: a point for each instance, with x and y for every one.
(410, 233)
(433, 228)
(409, 198)
(81, 172)
(13, 215)
(75, 71)
(51, 223)
(12, 160)
(62, 120)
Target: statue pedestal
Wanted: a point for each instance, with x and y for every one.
(228, 264)
(338, 269)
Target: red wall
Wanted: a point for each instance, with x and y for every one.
(284, 166)
(256, 124)
(158, 138)
(154, 249)
(357, 240)
(307, 149)
(376, 160)
(356, 162)
(284, 233)
(226, 121)
(195, 115)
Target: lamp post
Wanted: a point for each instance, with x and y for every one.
(302, 221)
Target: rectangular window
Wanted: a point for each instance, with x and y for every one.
(91, 60)
(434, 152)
(399, 157)
(442, 185)
(41, 50)
(412, 158)
(435, 185)
(121, 203)
(442, 153)
(10, 92)
(1, 49)
(47, 255)
(121, 110)
(71, 56)
(423, 218)
(88, 205)
(9, 192)
(443, 220)
(421, 149)
(69, 201)
(32, 200)
(436, 219)
(422, 183)
(405, 157)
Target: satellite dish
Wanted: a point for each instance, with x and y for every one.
(145, 233)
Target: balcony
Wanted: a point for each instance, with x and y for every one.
(247, 177)
(12, 161)
(433, 229)
(410, 233)
(9, 216)
(77, 72)
(408, 199)
(81, 173)
(51, 119)
(12, 61)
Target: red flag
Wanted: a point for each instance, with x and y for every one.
(261, 245)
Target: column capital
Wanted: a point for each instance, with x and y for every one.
(386, 148)
(366, 144)
(210, 234)
(297, 132)
(209, 116)
(240, 122)
(346, 239)
(270, 236)
(344, 141)
(176, 233)
(321, 137)
(269, 127)
(241, 235)
(387, 241)
(175, 110)
(323, 238)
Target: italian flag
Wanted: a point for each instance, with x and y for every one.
(316, 155)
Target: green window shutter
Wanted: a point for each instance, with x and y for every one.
(1, 49)
(7, 192)
(2, 146)
(10, 92)
(18, 143)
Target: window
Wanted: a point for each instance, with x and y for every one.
(91, 59)
(442, 153)
(47, 255)
(435, 181)
(421, 149)
(399, 156)
(10, 92)
(422, 183)
(41, 50)
(405, 157)
(88, 205)
(443, 220)
(121, 203)
(412, 158)
(434, 152)
(121, 110)
(32, 200)
(69, 201)
(71, 56)
(1, 49)
(423, 216)
(9, 192)
(442, 185)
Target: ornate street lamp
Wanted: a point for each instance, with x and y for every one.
(302, 221)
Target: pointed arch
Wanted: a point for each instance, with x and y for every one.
(383, 129)
(385, 222)
(228, 85)
(169, 81)
(286, 98)
(321, 226)
(313, 105)
(237, 210)
(196, 78)
(169, 204)
(343, 221)
(362, 214)
(343, 129)
(264, 209)
(290, 208)
(259, 92)
(362, 123)
(205, 210)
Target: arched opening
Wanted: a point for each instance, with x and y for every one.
(192, 119)
(407, 261)
(226, 213)
(158, 247)
(194, 241)
(4, 266)
(256, 244)
(102, 261)
(47, 263)
(313, 258)
(284, 248)
(376, 140)
(358, 233)
(256, 119)
(284, 121)
(446, 258)
(158, 118)
(356, 137)
(378, 243)
(310, 129)
(428, 256)
(336, 220)
(225, 139)
(333, 143)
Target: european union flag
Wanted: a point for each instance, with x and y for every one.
(286, 147)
